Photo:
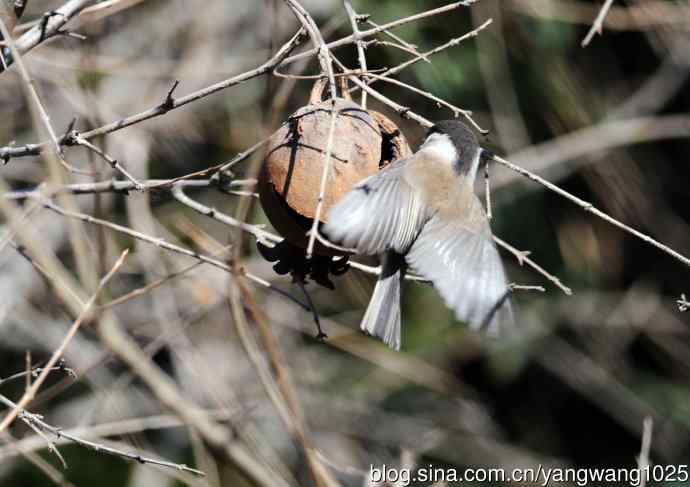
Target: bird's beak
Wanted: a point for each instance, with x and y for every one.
(486, 155)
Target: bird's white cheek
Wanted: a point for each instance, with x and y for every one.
(440, 147)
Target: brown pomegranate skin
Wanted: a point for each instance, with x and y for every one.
(290, 178)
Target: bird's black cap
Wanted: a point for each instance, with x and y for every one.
(461, 136)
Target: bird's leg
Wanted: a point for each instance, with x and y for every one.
(494, 309)
(487, 191)
(300, 281)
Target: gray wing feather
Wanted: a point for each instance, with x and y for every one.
(381, 212)
(465, 268)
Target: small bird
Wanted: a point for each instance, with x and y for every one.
(421, 212)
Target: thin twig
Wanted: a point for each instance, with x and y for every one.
(37, 461)
(457, 111)
(548, 156)
(11, 231)
(424, 56)
(52, 26)
(320, 335)
(166, 391)
(591, 209)
(141, 291)
(164, 244)
(327, 243)
(326, 61)
(521, 287)
(119, 428)
(598, 24)
(8, 152)
(350, 72)
(404, 112)
(36, 371)
(643, 462)
(120, 186)
(522, 257)
(642, 16)
(52, 279)
(399, 43)
(27, 372)
(34, 99)
(79, 140)
(361, 56)
(59, 433)
(261, 235)
(158, 242)
(414, 52)
(376, 271)
(51, 446)
(314, 231)
(276, 380)
(382, 28)
(57, 354)
(115, 186)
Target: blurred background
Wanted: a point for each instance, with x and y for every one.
(607, 122)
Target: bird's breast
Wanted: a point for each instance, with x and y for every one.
(441, 189)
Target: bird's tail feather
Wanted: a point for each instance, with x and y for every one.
(382, 318)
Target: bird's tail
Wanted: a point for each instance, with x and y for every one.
(382, 318)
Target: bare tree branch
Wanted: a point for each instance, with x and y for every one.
(598, 24)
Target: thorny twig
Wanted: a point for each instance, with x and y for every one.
(164, 244)
(34, 99)
(399, 43)
(279, 59)
(77, 139)
(124, 187)
(382, 28)
(595, 211)
(426, 55)
(523, 258)
(36, 371)
(177, 185)
(260, 234)
(403, 111)
(50, 26)
(38, 423)
(51, 446)
(379, 42)
(438, 101)
(171, 184)
(9, 152)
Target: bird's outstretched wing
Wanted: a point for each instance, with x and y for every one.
(462, 262)
(382, 212)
